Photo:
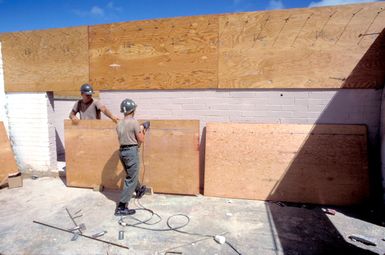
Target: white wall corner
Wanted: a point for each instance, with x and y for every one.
(31, 130)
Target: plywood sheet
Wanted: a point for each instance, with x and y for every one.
(7, 158)
(328, 47)
(322, 164)
(179, 53)
(170, 163)
(46, 60)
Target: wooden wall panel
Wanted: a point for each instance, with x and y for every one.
(46, 60)
(178, 53)
(7, 158)
(171, 156)
(321, 164)
(303, 48)
(327, 47)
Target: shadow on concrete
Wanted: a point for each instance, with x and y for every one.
(202, 152)
(60, 151)
(312, 232)
(113, 177)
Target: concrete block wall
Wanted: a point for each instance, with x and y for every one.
(257, 106)
(31, 130)
(62, 109)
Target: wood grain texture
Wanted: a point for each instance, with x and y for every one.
(46, 60)
(303, 48)
(170, 163)
(179, 53)
(321, 164)
(7, 158)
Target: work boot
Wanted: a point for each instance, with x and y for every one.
(140, 192)
(124, 211)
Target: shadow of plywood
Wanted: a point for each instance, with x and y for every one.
(313, 232)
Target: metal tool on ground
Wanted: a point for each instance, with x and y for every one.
(79, 228)
(362, 239)
(329, 211)
(73, 217)
(83, 235)
(121, 235)
(99, 234)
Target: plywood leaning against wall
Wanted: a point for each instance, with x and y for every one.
(7, 158)
(328, 47)
(45, 60)
(179, 53)
(322, 164)
(171, 156)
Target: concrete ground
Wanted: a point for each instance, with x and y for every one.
(252, 227)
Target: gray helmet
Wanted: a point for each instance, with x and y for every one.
(86, 89)
(127, 106)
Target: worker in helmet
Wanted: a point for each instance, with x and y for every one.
(130, 135)
(89, 108)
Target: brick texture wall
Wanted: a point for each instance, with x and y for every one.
(257, 106)
(31, 130)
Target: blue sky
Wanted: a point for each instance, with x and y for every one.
(19, 15)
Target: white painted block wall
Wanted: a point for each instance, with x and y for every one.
(62, 110)
(257, 106)
(31, 130)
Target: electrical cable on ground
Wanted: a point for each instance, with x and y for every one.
(153, 214)
(170, 226)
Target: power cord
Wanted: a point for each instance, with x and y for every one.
(153, 214)
(170, 226)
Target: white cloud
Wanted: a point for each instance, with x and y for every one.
(275, 4)
(337, 2)
(113, 7)
(97, 11)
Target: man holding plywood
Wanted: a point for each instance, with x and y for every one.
(88, 108)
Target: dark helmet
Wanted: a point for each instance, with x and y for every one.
(86, 89)
(127, 106)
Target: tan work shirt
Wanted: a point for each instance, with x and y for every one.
(128, 129)
(88, 111)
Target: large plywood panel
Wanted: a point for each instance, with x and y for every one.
(179, 53)
(328, 47)
(322, 164)
(46, 60)
(7, 158)
(169, 160)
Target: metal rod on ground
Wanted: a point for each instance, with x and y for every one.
(73, 220)
(89, 237)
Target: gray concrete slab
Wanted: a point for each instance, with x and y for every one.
(253, 227)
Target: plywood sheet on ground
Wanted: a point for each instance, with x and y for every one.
(328, 47)
(7, 158)
(179, 53)
(45, 60)
(171, 156)
(322, 164)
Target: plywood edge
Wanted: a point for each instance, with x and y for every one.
(343, 129)
(93, 124)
